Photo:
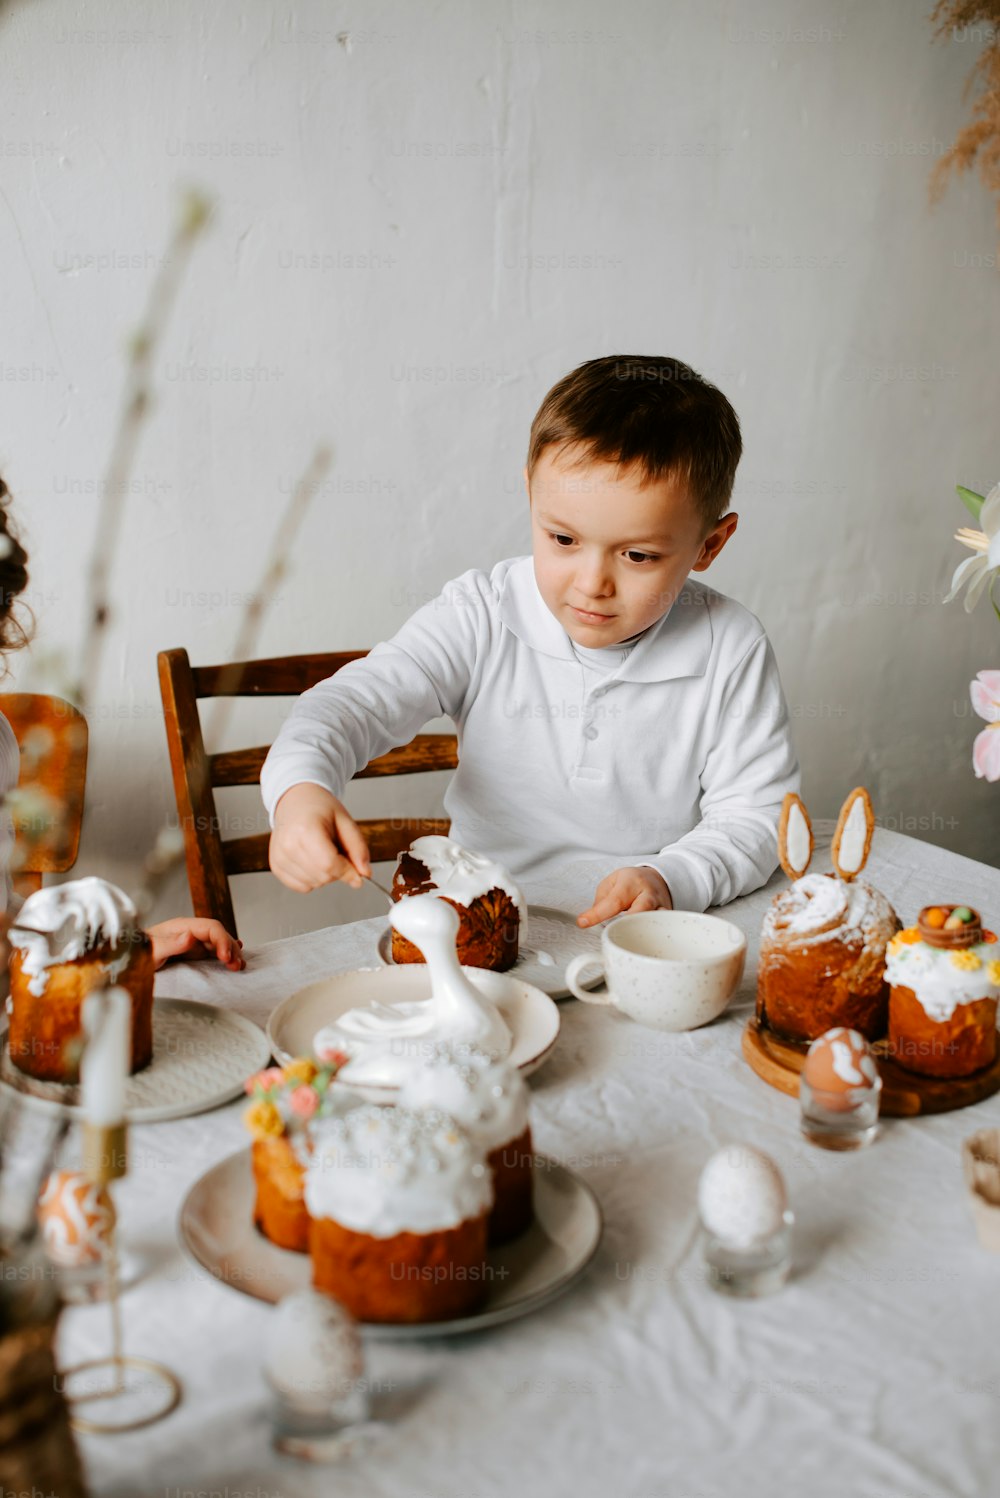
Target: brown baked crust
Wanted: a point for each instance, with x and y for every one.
(513, 1209)
(487, 931)
(406, 1278)
(953, 1047)
(806, 988)
(45, 1027)
(280, 1207)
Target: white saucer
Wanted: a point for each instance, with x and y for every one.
(553, 939)
(531, 1015)
(216, 1231)
(202, 1055)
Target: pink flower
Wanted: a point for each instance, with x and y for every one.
(303, 1101)
(269, 1077)
(330, 1055)
(985, 694)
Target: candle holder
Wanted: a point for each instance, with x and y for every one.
(149, 1390)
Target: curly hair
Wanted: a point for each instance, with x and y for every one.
(15, 633)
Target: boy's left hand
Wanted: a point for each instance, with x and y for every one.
(627, 889)
(195, 936)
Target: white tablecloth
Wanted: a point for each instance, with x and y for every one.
(875, 1372)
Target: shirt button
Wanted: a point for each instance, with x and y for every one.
(590, 732)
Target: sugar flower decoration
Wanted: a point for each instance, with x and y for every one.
(985, 694)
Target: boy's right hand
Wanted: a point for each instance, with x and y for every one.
(316, 841)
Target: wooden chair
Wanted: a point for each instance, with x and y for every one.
(210, 860)
(52, 737)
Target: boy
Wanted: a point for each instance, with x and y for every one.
(606, 705)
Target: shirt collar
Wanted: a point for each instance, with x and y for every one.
(679, 644)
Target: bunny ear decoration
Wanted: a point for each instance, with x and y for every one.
(795, 837)
(853, 838)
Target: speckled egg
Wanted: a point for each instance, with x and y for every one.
(312, 1353)
(741, 1196)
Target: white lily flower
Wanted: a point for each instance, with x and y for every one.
(977, 572)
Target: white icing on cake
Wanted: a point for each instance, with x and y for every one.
(488, 1098)
(821, 907)
(851, 853)
(797, 838)
(938, 982)
(81, 916)
(465, 876)
(382, 1039)
(384, 1171)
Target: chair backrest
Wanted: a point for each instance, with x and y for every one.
(211, 861)
(52, 736)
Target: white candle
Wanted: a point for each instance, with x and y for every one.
(104, 1065)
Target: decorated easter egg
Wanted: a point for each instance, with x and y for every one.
(741, 1196)
(839, 1061)
(76, 1218)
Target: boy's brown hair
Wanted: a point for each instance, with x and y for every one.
(14, 634)
(653, 411)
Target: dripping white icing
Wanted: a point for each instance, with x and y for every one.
(80, 915)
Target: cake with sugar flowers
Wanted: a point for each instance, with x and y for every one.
(399, 1202)
(66, 940)
(944, 976)
(492, 911)
(287, 1102)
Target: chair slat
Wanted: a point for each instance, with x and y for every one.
(282, 676)
(428, 751)
(386, 839)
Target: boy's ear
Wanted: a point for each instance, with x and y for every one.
(716, 540)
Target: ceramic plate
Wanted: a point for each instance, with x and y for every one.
(553, 940)
(531, 1015)
(202, 1055)
(217, 1232)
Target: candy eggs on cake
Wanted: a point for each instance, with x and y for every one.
(839, 1061)
(76, 1218)
(741, 1197)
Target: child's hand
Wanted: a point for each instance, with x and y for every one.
(316, 841)
(627, 889)
(195, 936)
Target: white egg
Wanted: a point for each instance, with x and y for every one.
(312, 1350)
(741, 1196)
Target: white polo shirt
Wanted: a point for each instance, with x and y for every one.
(677, 757)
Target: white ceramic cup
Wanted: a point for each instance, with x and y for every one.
(672, 969)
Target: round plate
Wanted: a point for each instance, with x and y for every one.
(202, 1055)
(217, 1232)
(554, 939)
(531, 1015)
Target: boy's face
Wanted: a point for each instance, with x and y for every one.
(612, 553)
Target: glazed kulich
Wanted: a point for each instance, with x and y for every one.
(490, 1100)
(944, 977)
(67, 940)
(286, 1104)
(822, 958)
(399, 1203)
(492, 911)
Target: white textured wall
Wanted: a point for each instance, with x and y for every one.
(426, 214)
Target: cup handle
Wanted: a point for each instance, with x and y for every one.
(573, 972)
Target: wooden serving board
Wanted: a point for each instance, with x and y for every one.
(904, 1093)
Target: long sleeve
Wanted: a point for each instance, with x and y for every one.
(749, 767)
(375, 704)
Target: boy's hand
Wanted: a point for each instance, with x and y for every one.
(195, 936)
(316, 841)
(627, 889)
